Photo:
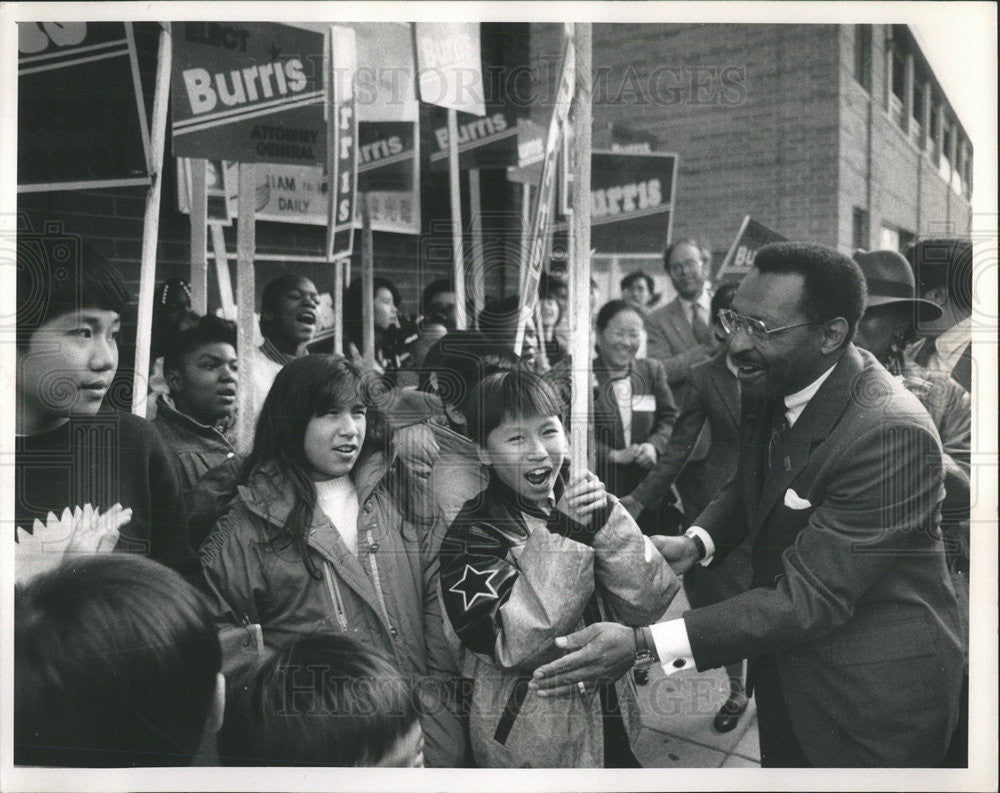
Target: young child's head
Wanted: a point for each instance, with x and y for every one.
(69, 306)
(456, 363)
(314, 418)
(289, 312)
(516, 418)
(200, 370)
(117, 663)
(325, 700)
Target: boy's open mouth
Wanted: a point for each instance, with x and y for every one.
(538, 476)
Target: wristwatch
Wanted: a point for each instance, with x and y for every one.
(644, 655)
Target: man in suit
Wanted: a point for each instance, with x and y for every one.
(679, 333)
(713, 400)
(851, 627)
(679, 336)
(943, 270)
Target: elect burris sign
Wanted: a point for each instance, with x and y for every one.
(248, 92)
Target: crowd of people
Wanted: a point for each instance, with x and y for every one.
(403, 567)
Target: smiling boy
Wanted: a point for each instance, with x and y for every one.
(529, 555)
(72, 451)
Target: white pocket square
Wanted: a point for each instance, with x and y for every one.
(794, 501)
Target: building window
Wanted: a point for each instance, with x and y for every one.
(863, 55)
(859, 229)
(935, 131)
(898, 87)
(893, 238)
(944, 167)
(917, 122)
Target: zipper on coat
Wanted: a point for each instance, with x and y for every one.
(377, 580)
(338, 603)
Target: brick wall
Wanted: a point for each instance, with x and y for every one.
(906, 190)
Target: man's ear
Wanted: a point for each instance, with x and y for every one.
(218, 709)
(834, 335)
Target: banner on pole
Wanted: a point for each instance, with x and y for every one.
(489, 141)
(385, 75)
(220, 184)
(530, 153)
(449, 65)
(250, 92)
(81, 117)
(751, 237)
(631, 199)
(546, 193)
(342, 132)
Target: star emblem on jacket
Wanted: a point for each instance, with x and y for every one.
(475, 584)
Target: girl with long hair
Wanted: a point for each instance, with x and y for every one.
(320, 539)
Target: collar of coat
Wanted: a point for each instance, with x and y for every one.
(267, 492)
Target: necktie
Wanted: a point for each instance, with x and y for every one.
(702, 333)
(779, 429)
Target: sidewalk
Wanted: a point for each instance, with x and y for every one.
(677, 713)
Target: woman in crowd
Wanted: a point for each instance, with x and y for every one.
(320, 538)
(393, 340)
(634, 411)
(116, 664)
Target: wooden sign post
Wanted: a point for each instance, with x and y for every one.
(246, 243)
(151, 227)
(199, 236)
(580, 344)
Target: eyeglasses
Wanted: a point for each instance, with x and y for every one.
(755, 328)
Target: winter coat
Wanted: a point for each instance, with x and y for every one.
(514, 579)
(385, 596)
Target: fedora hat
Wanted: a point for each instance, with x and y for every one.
(890, 280)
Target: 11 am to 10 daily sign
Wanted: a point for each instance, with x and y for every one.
(250, 92)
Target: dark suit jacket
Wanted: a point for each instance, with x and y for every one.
(671, 341)
(713, 400)
(852, 599)
(653, 416)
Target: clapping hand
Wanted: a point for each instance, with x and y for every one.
(80, 532)
(599, 653)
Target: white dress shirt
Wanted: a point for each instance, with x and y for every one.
(949, 346)
(673, 646)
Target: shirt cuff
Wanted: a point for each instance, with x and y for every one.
(672, 646)
(706, 538)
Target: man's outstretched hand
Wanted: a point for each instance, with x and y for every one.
(599, 653)
(680, 552)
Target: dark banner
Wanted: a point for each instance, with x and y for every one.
(81, 117)
(631, 204)
(739, 259)
(249, 92)
(488, 141)
(387, 155)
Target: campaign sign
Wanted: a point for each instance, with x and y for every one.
(631, 204)
(388, 155)
(449, 65)
(342, 162)
(490, 141)
(631, 201)
(81, 117)
(220, 189)
(741, 254)
(249, 92)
